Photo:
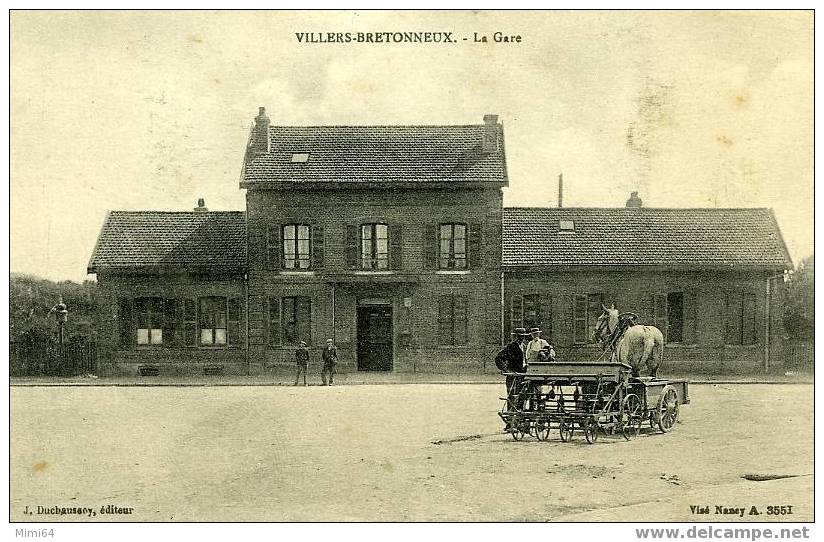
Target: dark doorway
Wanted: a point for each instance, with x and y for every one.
(375, 338)
(675, 317)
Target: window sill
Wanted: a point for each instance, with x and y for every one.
(453, 272)
(452, 346)
(375, 272)
(756, 345)
(290, 273)
(680, 345)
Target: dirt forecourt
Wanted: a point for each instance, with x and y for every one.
(424, 452)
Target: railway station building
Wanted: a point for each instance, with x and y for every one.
(393, 241)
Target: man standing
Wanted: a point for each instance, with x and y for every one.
(511, 359)
(330, 360)
(302, 362)
(535, 345)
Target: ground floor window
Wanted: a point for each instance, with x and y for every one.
(452, 320)
(740, 326)
(289, 320)
(531, 310)
(586, 309)
(173, 322)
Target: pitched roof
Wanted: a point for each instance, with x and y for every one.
(171, 240)
(643, 236)
(378, 154)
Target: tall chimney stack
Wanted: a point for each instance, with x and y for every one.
(201, 206)
(490, 142)
(259, 143)
(560, 190)
(634, 201)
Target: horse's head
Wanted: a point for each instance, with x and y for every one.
(606, 323)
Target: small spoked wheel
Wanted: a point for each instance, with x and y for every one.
(542, 430)
(667, 412)
(590, 427)
(567, 428)
(516, 428)
(632, 416)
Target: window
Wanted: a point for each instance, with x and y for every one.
(374, 246)
(452, 246)
(531, 310)
(296, 251)
(289, 320)
(675, 317)
(452, 317)
(566, 225)
(212, 312)
(300, 157)
(149, 312)
(586, 309)
(740, 318)
(189, 322)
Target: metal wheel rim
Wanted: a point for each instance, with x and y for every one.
(631, 416)
(591, 431)
(542, 430)
(668, 409)
(567, 429)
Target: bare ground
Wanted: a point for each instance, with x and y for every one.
(395, 453)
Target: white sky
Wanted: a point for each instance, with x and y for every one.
(151, 110)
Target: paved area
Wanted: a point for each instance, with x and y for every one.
(424, 452)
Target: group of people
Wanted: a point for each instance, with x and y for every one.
(329, 356)
(515, 357)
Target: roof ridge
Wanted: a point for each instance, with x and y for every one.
(375, 126)
(145, 211)
(635, 209)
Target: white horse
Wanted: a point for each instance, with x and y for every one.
(631, 343)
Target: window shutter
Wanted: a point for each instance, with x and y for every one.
(171, 322)
(124, 321)
(507, 316)
(273, 322)
(475, 246)
(690, 323)
(233, 322)
(303, 315)
(566, 337)
(444, 317)
(273, 247)
(646, 308)
(430, 246)
(396, 246)
(733, 305)
(516, 312)
(352, 243)
(748, 329)
(546, 315)
(459, 320)
(317, 247)
(189, 322)
(661, 314)
(579, 311)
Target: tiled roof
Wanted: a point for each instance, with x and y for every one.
(378, 153)
(171, 240)
(643, 236)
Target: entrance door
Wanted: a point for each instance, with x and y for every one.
(375, 338)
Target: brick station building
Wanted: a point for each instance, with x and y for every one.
(393, 241)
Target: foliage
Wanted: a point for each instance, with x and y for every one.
(31, 300)
(799, 317)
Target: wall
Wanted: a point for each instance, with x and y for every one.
(171, 361)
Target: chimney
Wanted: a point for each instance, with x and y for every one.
(490, 143)
(259, 142)
(560, 190)
(201, 206)
(634, 201)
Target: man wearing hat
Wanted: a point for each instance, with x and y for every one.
(511, 359)
(330, 360)
(302, 362)
(536, 345)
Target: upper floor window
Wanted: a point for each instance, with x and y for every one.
(374, 246)
(452, 252)
(149, 311)
(296, 246)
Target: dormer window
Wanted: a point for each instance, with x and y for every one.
(566, 225)
(300, 157)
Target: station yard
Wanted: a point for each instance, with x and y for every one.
(397, 453)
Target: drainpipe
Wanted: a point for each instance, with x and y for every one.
(246, 317)
(767, 322)
(502, 310)
(334, 330)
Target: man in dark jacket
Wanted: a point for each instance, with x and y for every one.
(302, 362)
(511, 359)
(330, 360)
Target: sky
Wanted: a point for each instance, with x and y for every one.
(151, 110)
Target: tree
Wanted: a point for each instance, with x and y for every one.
(31, 300)
(799, 308)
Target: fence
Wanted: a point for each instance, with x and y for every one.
(46, 357)
(799, 355)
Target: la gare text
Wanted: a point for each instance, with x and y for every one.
(405, 37)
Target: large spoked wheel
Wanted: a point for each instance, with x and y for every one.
(631, 416)
(567, 428)
(542, 430)
(667, 412)
(591, 430)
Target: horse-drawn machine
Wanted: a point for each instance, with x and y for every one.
(590, 397)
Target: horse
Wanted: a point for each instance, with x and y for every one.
(633, 344)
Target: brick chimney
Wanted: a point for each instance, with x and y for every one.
(634, 201)
(259, 142)
(490, 143)
(201, 206)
